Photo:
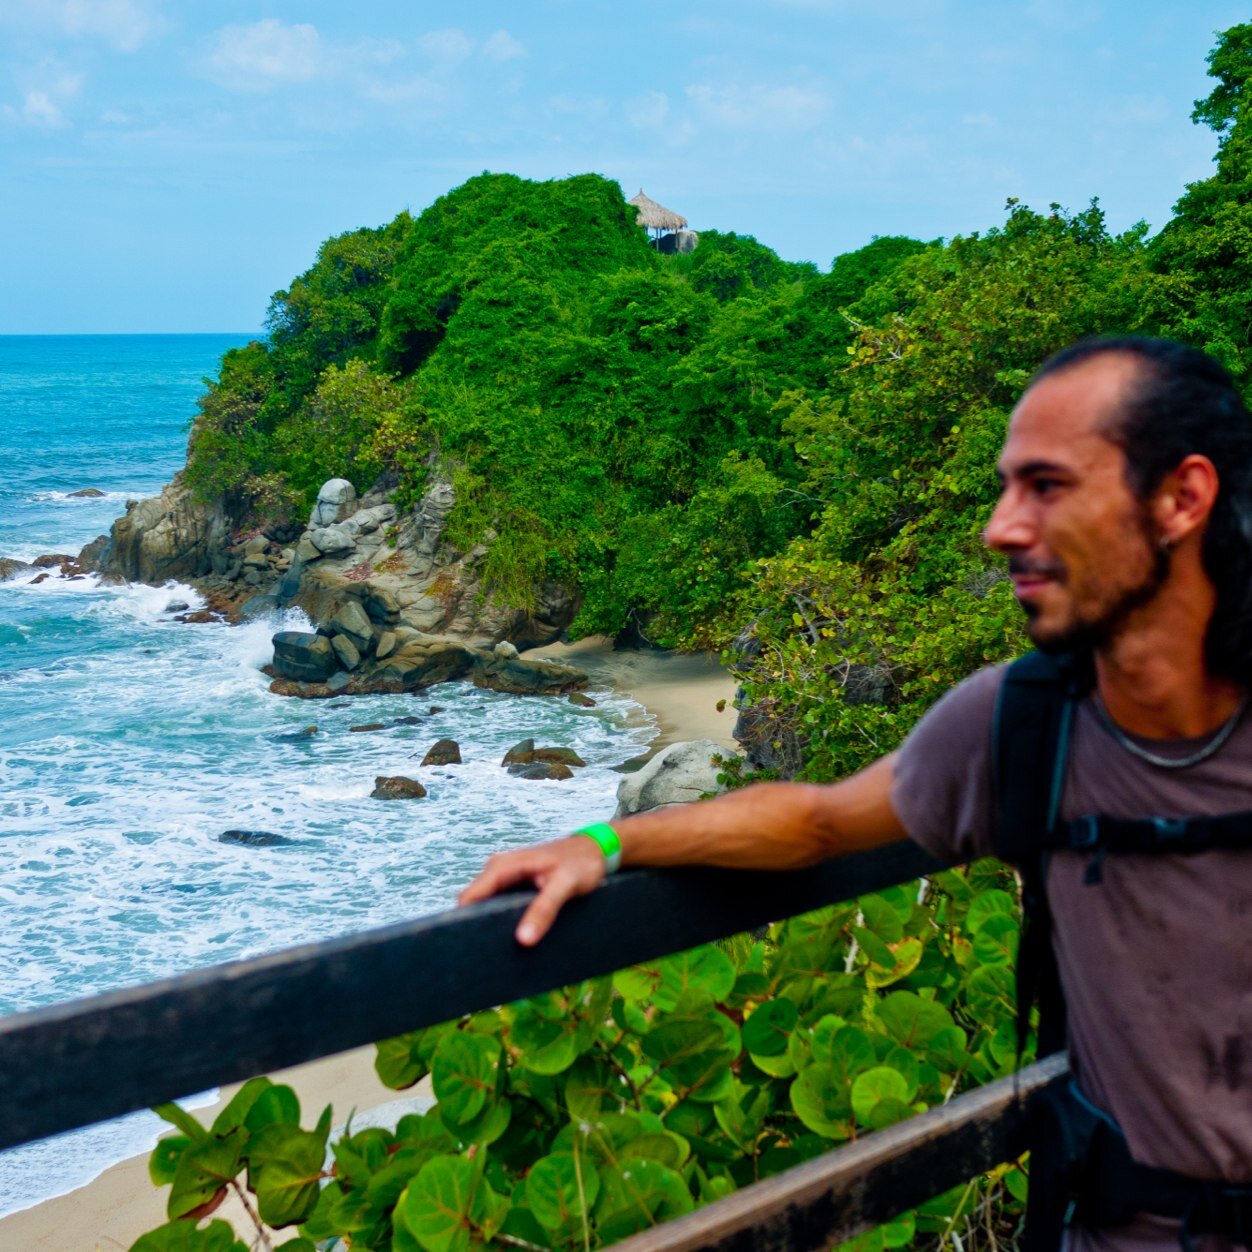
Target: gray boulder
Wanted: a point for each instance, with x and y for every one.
(683, 772)
(336, 500)
(346, 651)
(303, 657)
(332, 540)
(351, 620)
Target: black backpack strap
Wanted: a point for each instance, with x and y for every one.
(1030, 745)
(1180, 836)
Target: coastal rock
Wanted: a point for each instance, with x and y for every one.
(520, 753)
(351, 620)
(332, 540)
(397, 787)
(540, 770)
(558, 756)
(335, 500)
(683, 772)
(86, 493)
(53, 560)
(10, 568)
(253, 838)
(386, 645)
(367, 727)
(518, 676)
(170, 536)
(303, 657)
(581, 701)
(346, 651)
(444, 752)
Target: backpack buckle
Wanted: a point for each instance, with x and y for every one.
(1084, 833)
(1169, 829)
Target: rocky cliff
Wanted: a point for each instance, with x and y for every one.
(396, 606)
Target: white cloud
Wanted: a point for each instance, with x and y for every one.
(114, 117)
(757, 107)
(501, 46)
(978, 119)
(122, 24)
(48, 92)
(451, 46)
(263, 56)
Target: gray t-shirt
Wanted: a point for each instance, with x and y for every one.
(1155, 958)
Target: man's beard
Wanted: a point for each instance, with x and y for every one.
(1099, 633)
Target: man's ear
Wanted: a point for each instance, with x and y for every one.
(1185, 499)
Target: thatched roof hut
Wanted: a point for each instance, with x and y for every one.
(656, 216)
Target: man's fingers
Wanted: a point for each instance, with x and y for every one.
(505, 871)
(538, 919)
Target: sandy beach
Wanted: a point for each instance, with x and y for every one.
(681, 691)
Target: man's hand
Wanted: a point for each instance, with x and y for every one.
(561, 870)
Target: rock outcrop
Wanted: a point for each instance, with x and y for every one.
(681, 773)
(397, 607)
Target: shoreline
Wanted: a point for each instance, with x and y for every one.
(681, 691)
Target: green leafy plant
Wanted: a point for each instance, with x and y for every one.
(578, 1117)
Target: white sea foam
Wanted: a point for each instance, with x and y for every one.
(130, 742)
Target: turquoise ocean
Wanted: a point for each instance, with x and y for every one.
(129, 742)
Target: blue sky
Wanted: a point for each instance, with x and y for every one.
(166, 167)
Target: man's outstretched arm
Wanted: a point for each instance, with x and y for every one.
(765, 826)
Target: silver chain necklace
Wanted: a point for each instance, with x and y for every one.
(1223, 732)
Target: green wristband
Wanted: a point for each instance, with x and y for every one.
(606, 838)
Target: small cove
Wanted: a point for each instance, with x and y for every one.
(129, 741)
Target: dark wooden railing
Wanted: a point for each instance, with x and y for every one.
(81, 1062)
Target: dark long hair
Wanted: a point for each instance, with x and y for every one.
(1184, 402)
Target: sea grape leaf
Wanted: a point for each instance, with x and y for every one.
(177, 1116)
(203, 1170)
(561, 1190)
(766, 1031)
(486, 1127)
(546, 1045)
(445, 1202)
(658, 1145)
(699, 976)
(879, 1083)
(277, 1104)
(466, 1074)
(402, 1061)
(996, 940)
(947, 1049)
(237, 1108)
(638, 982)
(882, 919)
(990, 992)
(987, 904)
(284, 1169)
(640, 1194)
(590, 1082)
(905, 957)
(182, 1236)
(911, 1020)
(875, 949)
(163, 1162)
(694, 1054)
(821, 1102)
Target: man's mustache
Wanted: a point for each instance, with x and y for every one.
(1033, 567)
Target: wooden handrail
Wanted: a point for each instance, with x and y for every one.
(86, 1060)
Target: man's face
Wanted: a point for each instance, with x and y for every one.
(1082, 549)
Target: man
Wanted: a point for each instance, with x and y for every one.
(1126, 518)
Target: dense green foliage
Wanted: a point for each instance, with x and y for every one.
(576, 1118)
(708, 445)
